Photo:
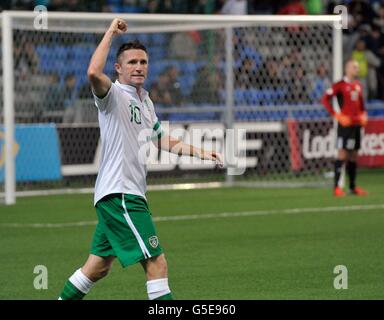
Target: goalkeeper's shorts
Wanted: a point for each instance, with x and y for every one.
(125, 229)
(348, 138)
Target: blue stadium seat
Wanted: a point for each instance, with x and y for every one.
(252, 53)
(61, 52)
(186, 83)
(253, 96)
(52, 58)
(159, 39)
(239, 97)
(131, 9)
(159, 66)
(81, 52)
(142, 37)
(78, 61)
(222, 66)
(115, 8)
(240, 115)
(188, 67)
(180, 117)
(157, 53)
(271, 96)
(81, 80)
(47, 67)
(72, 66)
(374, 108)
(109, 69)
(59, 66)
(43, 51)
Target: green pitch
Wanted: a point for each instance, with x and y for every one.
(233, 243)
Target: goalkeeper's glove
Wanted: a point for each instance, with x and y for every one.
(344, 120)
(363, 119)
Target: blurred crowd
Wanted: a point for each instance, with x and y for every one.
(363, 40)
(361, 10)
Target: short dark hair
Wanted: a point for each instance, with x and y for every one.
(136, 44)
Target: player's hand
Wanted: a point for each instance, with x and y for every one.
(363, 119)
(118, 26)
(344, 120)
(214, 156)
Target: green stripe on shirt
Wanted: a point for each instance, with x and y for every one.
(158, 131)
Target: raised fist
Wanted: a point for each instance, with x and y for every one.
(118, 26)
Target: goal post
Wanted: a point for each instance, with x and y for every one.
(225, 68)
(8, 109)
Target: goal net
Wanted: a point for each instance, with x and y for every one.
(262, 76)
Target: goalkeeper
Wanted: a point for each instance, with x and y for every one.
(351, 118)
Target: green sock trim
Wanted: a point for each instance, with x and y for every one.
(167, 296)
(70, 292)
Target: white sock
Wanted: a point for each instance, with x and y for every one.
(81, 282)
(157, 288)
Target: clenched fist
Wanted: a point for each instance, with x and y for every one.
(118, 26)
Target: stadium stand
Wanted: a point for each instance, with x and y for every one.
(74, 58)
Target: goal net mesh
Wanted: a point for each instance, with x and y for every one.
(279, 73)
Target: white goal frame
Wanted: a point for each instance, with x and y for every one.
(174, 22)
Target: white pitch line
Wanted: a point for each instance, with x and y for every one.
(205, 216)
(49, 225)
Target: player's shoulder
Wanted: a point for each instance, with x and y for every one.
(339, 83)
(116, 88)
(113, 89)
(335, 87)
(148, 101)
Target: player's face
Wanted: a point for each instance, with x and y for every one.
(352, 69)
(132, 67)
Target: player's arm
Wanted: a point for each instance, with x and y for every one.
(100, 82)
(364, 114)
(178, 147)
(327, 103)
(326, 100)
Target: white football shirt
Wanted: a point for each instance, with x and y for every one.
(127, 124)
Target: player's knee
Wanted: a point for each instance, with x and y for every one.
(103, 272)
(342, 155)
(99, 273)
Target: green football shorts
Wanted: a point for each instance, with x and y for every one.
(125, 229)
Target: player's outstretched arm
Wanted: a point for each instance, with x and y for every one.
(100, 82)
(176, 146)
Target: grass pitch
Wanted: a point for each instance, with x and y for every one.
(231, 243)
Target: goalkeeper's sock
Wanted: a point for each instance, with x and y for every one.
(351, 170)
(159, 290)
(76, 287)
(338, 167)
